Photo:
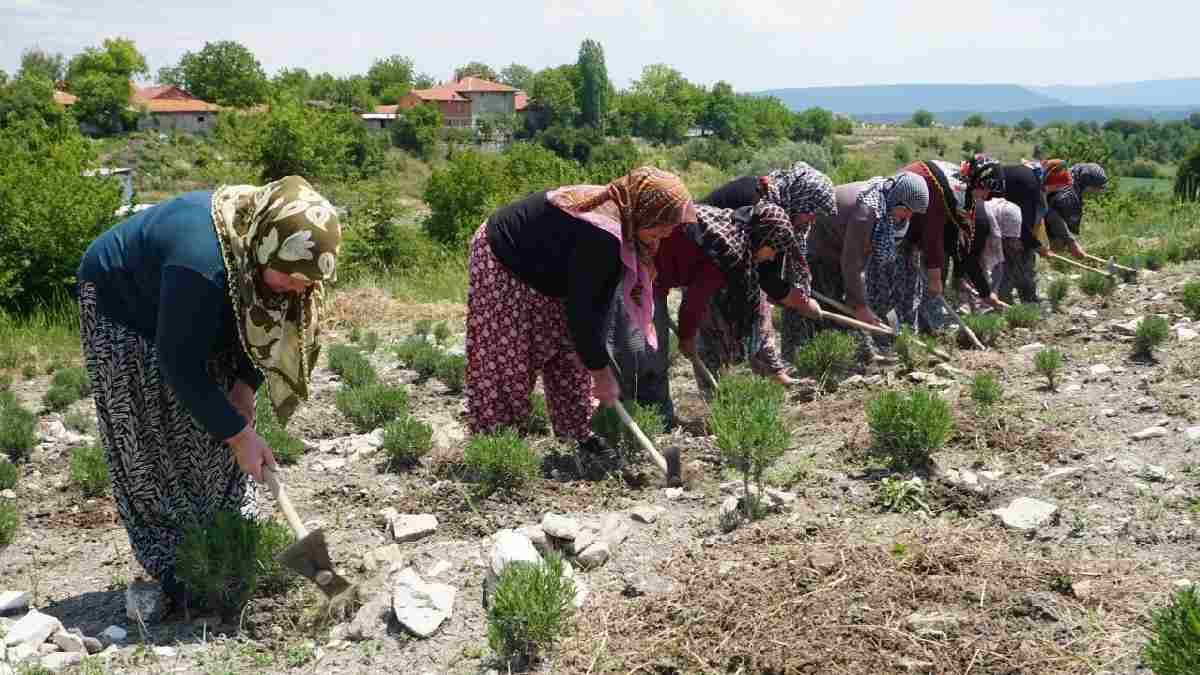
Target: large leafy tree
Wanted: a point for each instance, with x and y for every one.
(416, 130)
(813, 125)
(116, 57)
(554, 93)
(476, 69)
(100, 77)
(391, 78)
(29, 97)
(594, 87)
(225, 73)
(36, 62)
(517, 75)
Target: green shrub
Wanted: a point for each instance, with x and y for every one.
(901, 496)
(225, 562)
(406, 441)
(606, 424)
(6, 381)
(29, 371)
(17, 428)
(10, 522)
(68, 386)
(539, 415)
(986, 390)
(501, 461)
(1094, 284)
(529, 608)
(1174, 646)
(372, 406)
(1048, 362)
(1151, 332)
(909, 426)
(89, 470)
(441, 333)
(8, 474)
(910, 350)
(355, 335)
(422, 328)
(1187, 177)
(1191, 298)
(747, 418)
(370, 342)
(1057, 292)
(827, 354)
(987, 327)
(1023, 315)
(287, 448)
(452, 371)
(352, 366)
(79, 422)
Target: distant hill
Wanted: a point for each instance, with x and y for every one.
(1048, 114)
(876, 99)
(1147, 93)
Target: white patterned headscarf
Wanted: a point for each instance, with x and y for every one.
(801, 190)
(881, 195)
(287, 227)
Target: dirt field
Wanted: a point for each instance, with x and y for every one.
(833, 584)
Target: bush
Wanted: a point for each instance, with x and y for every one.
(1095, 284)
(8, 474)
(89, 470)
(441, 333)
(225, 562)
(1191, 298)
(17, 428)
(501, 461)
(1023, 315)
(452, 371)
(287, 448)
(416, 130)
(1048, 362)
(1151, 332)
(406, 441)
(747, 418)
(901, 496)
(539, 415)
(352, 366)
(371, 406)
(1142, 168)
(909, 426)
(1187, 178)
(1057, 292)
(417, 354)
(422, 328)
(606, 424)
(783, 156)
(10, 522)
(1174, 646)
(987, 327)
(460, 195)
(68, 386)
(986, 390)
(827, 354)
(910, 350)
(529, 608)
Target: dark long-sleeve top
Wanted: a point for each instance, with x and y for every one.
(1022, 188)
(680, 263)
(1064, 215)
(928, 230)
(161, 274)
(561, 256)
(844, 240)
(739, 192)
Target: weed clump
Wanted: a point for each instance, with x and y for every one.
(1048, 362)
(89, 470)
(372, 406)
(68, 386)
(529, 608)
(607, 425)
(417, 354)
(441, 333)
(901, 496)
(10, 522)
(909, 350)
(747, 419)
(1057, 292)
(1174, 646)
(909, 426)
(452, 372)
(422, 328)
(1023, 315)
(1191, 297)
(827, 354)
(223, 563)
(539, 415)
(352, 366)
(1094, 284)
(17, 428)
(987, 327)
(406, 441)
(287, 448)
(1151, 332)
(501, 461)
(8, 474)
(986, 390)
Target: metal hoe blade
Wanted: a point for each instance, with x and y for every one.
(309, 557)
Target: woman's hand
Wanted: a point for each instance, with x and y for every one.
(241, 397)
(994, 301)
(604, 386)
(251, 452)
(1076, 250)
(806, 306)
(865, 315)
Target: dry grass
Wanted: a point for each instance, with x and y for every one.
(365, 306)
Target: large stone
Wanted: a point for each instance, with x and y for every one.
(113, 635)
(384, 556)
(33, 629)
(944, 623)
(537, 536)
(407, 527)
(729, 506)
(370, 621)
(1031, 348)
(1192, 433)
(1186, 334)
(614, 530)
(647, 514)
(647, 583)
(48, 648)
(596, 555)
(586, 537)
(385, 517)
(1152, 432)
(508, 547)
(560, 527)
(145, 601)
(1099, 370)
(357, 444)
(92, 645)
(56, 663)
(421, 606)
(69, 642)
(13, 601)
(1025, 513)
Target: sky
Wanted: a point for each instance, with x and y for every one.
(753, 44)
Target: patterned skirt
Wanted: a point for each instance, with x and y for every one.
(643, 372)
(796, 328)
(719, 344)
(168, 473)
(513, 334)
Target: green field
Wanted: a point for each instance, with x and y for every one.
(1157, 185)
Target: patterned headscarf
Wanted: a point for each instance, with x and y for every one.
(801, 190)
(981, 171)
(881, 195)
(1087, 175)
(730, 238)
(643, 198)
(1069, 203)
(287, 227)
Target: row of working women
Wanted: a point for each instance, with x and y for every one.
(572, 283)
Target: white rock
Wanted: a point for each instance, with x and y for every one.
(585, 538)
(968, 477)
(13, 601)
(33, 629)
(329, 464)
(56, 663)
(596, 555)
(381, 557)
(407, 527)
(1059, 473)
(421, 606)
(23, 652)
(1108, 412)
(356, 444)
(647, 514)
(1129, 327)
(438, 569)
(1186, 334)
(8, 494)
(780, 497)
(614, 530)
(581, 593)
(1182, 584)
(1192, 433)
(69, 642)
(560, 527)
(947, 370)
(166, 652)
(1031, 348)
(145, 601)
(1072, 389)
(1099, 370)
(1153, 473)
(47, 648)
(1152, 432)
(508, 547)
(991, 475)
(729, 506)
(385, 516)
(537, 536)
(1025, 513)
(674, 494)
(113, 634)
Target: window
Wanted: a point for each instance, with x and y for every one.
(200, 118)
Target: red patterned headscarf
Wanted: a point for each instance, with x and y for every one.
(1056, 174)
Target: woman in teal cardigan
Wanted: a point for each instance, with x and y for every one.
(185, 309)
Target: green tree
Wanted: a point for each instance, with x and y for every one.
(416, 130)
(843, 126)
(29, 97)
(225, 73)
(923, 119)
(117, 57)
(352, 92)
(720, 113)
(460, 195)
(476, 69)
(555, 95)
(391, 78)
(1026, 125)
(813, 125)
(103, 101)
(36, 62)
(593, 84)
(1193, 120)
(517, 75)
(424, 81)
(975, 121)
(1187, 180)
(293, 83)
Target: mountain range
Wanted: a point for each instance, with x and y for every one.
(1003, 103)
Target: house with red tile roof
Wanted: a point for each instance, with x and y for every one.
(464, 101)
(168, 107)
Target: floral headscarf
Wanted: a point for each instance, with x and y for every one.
(800, 190)
(881, 195)
(643, 198)
(287, 227)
